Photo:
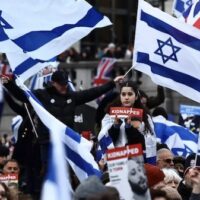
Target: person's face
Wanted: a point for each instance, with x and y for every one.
(127, 96)
(136, 177)
(173, 183)
(2, 193)
(165, 160)
(11, 168)
(62, 89)
(180, 168)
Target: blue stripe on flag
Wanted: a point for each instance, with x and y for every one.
(40, 38)
(13, 125)
(30, 94)
(151, 160)
(72, 134)
(81, 163)
(24, 66)
(51, 173)
(105, 141)
(28, 64)
(169, 73)
(5, 25)
(34, 79)
(180, 36)
(184, 134)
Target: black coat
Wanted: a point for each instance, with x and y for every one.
(61, 106)
(23, 151)
(132, 134)
(184, 191)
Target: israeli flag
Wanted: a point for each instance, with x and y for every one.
(76, 148)
(179, 139)
(65, 144)
(25, 67)
(192, 14)
(38, 80)
(180, 6)
(44, 29)
(170, 54)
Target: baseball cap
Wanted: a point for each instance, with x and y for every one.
(60, 77)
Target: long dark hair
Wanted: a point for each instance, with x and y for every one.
(137, 104)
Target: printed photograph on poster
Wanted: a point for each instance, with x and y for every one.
(127, 173)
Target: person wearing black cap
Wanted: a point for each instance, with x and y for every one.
(59, 100)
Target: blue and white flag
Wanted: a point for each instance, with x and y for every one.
(44, 29)
(15, 124)
(192, 14)
(105, 141)
(24, 66)
(77, 149)
(170, 54)
(179, 139)
(57, 181)
(180, 6)
(42, 77)
(39, 80)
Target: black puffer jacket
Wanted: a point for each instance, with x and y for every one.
(61, 106)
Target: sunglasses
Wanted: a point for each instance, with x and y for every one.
(168, 160)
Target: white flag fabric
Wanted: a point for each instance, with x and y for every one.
(77, 148)
(24, 66)
(56, 184)
(44, 29)
(170, 53)
(179, 139)
(38, 80)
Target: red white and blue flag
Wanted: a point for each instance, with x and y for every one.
(192, 14)
(104, 71)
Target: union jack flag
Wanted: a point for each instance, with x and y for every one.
(104, 70)
(192, 14)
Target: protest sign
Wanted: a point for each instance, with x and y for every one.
(126, 172)
(11, 180)
(124, 112)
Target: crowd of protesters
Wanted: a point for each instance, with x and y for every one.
(88, 53)
(169, 177)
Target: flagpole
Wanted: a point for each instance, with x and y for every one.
(198, 145)
(31, 120)
(127, 72)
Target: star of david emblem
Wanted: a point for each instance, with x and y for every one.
(167, 50)
(182, 152)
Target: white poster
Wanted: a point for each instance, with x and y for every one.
(126, 172)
